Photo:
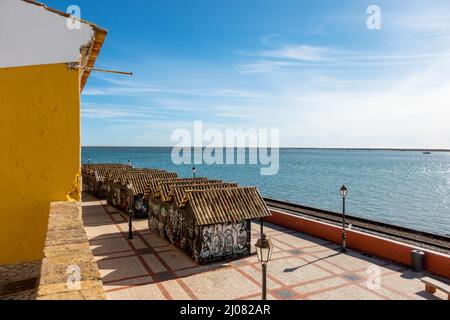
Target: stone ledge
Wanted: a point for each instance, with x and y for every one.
(67, 246)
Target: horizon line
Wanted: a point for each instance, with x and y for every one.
(298, 148)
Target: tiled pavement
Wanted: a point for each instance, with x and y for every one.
(303, 267)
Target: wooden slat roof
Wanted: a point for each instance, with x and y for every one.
(180, 192)
(153, 187)
(90, 168)
(138, 181)
(165, 188)
(227, 205)
(141, 180)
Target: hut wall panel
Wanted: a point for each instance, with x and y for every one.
(157, 216)
(223, 241)
(140, 207)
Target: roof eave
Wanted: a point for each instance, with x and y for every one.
(92, 52)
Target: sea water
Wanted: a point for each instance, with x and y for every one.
(408, 189)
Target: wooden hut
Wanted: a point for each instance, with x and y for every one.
(139, 183)
(157, 211)
(217, 223)
(177, 197)
(93, 177)
(114, 182)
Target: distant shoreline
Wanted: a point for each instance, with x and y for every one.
(297, 148)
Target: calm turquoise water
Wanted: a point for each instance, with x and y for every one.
(402, 188)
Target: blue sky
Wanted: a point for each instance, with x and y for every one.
(311, 69)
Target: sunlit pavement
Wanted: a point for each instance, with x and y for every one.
(302, 267)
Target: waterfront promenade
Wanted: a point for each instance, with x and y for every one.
(303, 267)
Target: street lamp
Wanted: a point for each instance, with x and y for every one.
(194, 171)
(344, 193)
(264, 250)
(130, 211)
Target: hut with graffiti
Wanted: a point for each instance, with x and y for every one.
(94, 175)
(156, 192)
(135, 185)
(114, 181)
(124, 188)
(217, 223)
(175, 221)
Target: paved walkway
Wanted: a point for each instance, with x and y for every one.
(303, 267)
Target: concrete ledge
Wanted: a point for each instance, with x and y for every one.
(67, 247)
(435, 262)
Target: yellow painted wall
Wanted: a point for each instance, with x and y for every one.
(39, 153)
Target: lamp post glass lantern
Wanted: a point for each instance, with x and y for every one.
(264, 250)
(344, 194)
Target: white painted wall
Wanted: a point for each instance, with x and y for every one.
(31, 35)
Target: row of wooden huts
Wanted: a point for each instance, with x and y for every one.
(208, 219)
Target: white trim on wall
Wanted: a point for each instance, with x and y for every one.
(32, 35)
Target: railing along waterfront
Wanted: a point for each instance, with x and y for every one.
(433, 241)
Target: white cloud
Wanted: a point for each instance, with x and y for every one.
(264, 66)
(297, 52)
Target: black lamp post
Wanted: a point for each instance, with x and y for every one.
(194, 171)
(344, 193)
(130, 212)
(264, 250)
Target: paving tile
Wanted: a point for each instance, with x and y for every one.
(200, 269)
(96, 221)
(352, 277)
(345, 261)
(293, 271)
(280, 245)
(258, 297)
(347, 293)
(100, 257)
(175, 290)
(145, 292)
(280, 254)
(284, 294)
(322, 263)
(97, 231)
(257, 276)
(165, 276)
(164, 248)
(177, 260)
(221, 285)
(317, 286)
(155, 241)
(128, 283)
(121, 268)
(104, 247)
(140, 225)
(118, 217)
(154, 264)
(138, 243)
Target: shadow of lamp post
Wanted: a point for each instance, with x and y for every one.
(344, 193)
(264, 250)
